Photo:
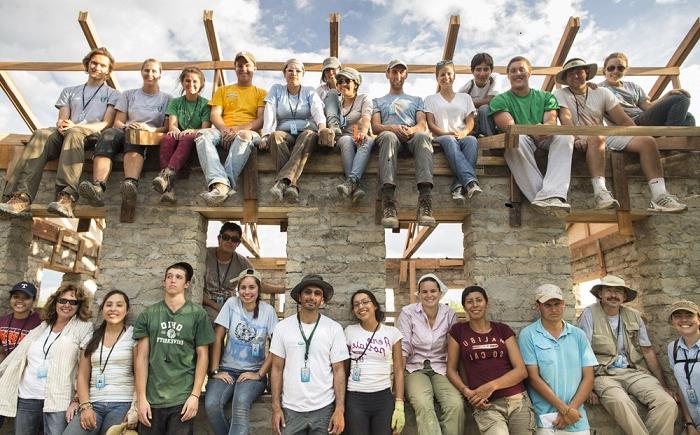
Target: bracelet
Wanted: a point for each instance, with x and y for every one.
(85, 406)
(192, 394)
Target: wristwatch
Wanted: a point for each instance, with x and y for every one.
(214, 372)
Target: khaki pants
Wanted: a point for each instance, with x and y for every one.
(614, 392)
(422, 388)
(290, 154)
(507, 416)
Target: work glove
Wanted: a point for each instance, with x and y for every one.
(398, 419)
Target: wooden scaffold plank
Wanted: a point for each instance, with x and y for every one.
(334, 34)
(565, 43)
(93, 40)
(213, 41)
(451, 38)
(681, 53)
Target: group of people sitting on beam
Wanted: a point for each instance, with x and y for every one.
(292, 121)
(60, 374)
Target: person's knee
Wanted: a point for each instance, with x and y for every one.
(387, 138)
(596, 143)
(424, 141)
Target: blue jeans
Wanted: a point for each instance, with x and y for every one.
(461, 155)
(354, 157)
(670, 110)
(218, 395)
(107, 414)
(31, 415)
(331, 108)
(238, 152)
(484, 123)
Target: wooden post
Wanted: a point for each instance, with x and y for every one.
(451, 38)
(621, 192)
(93, 41)
(18, 101)
(250, 188)
(334, 23)
(681, 53)
(412, 281)
(213, 41)
(565, 43)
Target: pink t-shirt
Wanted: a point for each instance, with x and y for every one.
(485, 356)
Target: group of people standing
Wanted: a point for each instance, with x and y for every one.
(292, 121)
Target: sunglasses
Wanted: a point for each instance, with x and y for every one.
(342, 81)
(64, 301)
(612, 68)
(227, 238)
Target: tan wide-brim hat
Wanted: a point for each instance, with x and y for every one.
(591, 69)
(614, 281)
(120, 429)
(688, 306)
(315, 281)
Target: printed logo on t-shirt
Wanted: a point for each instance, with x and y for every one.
(171, 330)
(478, 348)
(379, 345)
(244, 332)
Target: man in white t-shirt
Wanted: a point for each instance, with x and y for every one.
(308, 372)
(583, 104)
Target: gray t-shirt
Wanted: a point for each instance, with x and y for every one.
(629, 96)
(361, 106)
(142, 107)
(589, 108)
(87, 104)
(217, 277)
(398, 109)
(295, 109)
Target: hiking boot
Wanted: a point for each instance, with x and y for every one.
(473, 189)
(129, 190)
(389, 215)
(666, 203)
(458, 195)
(291, 194)
(162, 182)
(347, 187)
(604, 200)
(358, 194)
(278, 189)
(63, 206)
(556, 207)
(19, 204)
(216, 196)
(425, 211)
(168, 197)
(92, 192)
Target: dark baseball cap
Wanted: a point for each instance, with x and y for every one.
(26, 288)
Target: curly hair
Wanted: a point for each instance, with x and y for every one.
(83, 296)
(98, 51)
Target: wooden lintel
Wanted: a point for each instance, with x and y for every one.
(214, 49)
(681, 53)
(423, 263)
(565, 43)
(81, 212)
(603, 216)
(451, 38)
(604, 244)
(417, 240)
(334, 33)
(403, 271)
(20, 104)
(93, 40)
(621, 193)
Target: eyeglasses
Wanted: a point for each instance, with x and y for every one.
(227, 238)
(361, 303)
(64, 301)
(342, 81)
(619, 68)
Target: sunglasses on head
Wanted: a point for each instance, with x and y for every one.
(64, 301)
(612, 68)
(227, 238)
(443, 63)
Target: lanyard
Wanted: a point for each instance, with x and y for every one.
(93, 95)
(307, 341)
(102, 344)
(578, 109)
(43, 348)
(364, 351)
(289, 102)
(689, 371)
(187, 119)
(19, 334)
(218, 274)
(352, 106)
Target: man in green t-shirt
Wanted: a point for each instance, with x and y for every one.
(523, 105)
(171, 357)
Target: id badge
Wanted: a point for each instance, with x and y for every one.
(42, 372)
(81, 117)
(355, 373)
(256, 349)
(305, 374)
(293, 129)
(220, 300)
(100, 381)
(692, 397)
(343, 121)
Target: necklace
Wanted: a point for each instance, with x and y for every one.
(187, 117)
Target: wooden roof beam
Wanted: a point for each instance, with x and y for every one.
(681, 53)
(18, 101)
(415, 238)
(93, 40)
(334, 24)
(213, 41)
(448, 52)
(565, 43)
(250, 239)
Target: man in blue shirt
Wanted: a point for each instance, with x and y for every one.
(560, 365)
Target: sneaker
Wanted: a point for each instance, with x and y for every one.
(666, 203)
(18, 205)
(278, 190)
(552, 206)
(291, 194)
(162, 182)
(389, 215)
(604, 200)
(217, 195)
(458, 195)
(129, 190)
(92, 192)
(473, 189)
(63, 206)
(346, 188)
(168, 197)
(358, 194)
(425, 211)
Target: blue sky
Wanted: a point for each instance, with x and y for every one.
(371, 31)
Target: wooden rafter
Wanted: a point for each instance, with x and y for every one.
(334, 24)
(18, 101)
(93, 40)
(451, 38)
(565, 43)
(415, 238)
(412, 281)
(250, 239)
(681, 53)
(213, 41)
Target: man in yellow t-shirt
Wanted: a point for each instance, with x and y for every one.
(237, 116)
